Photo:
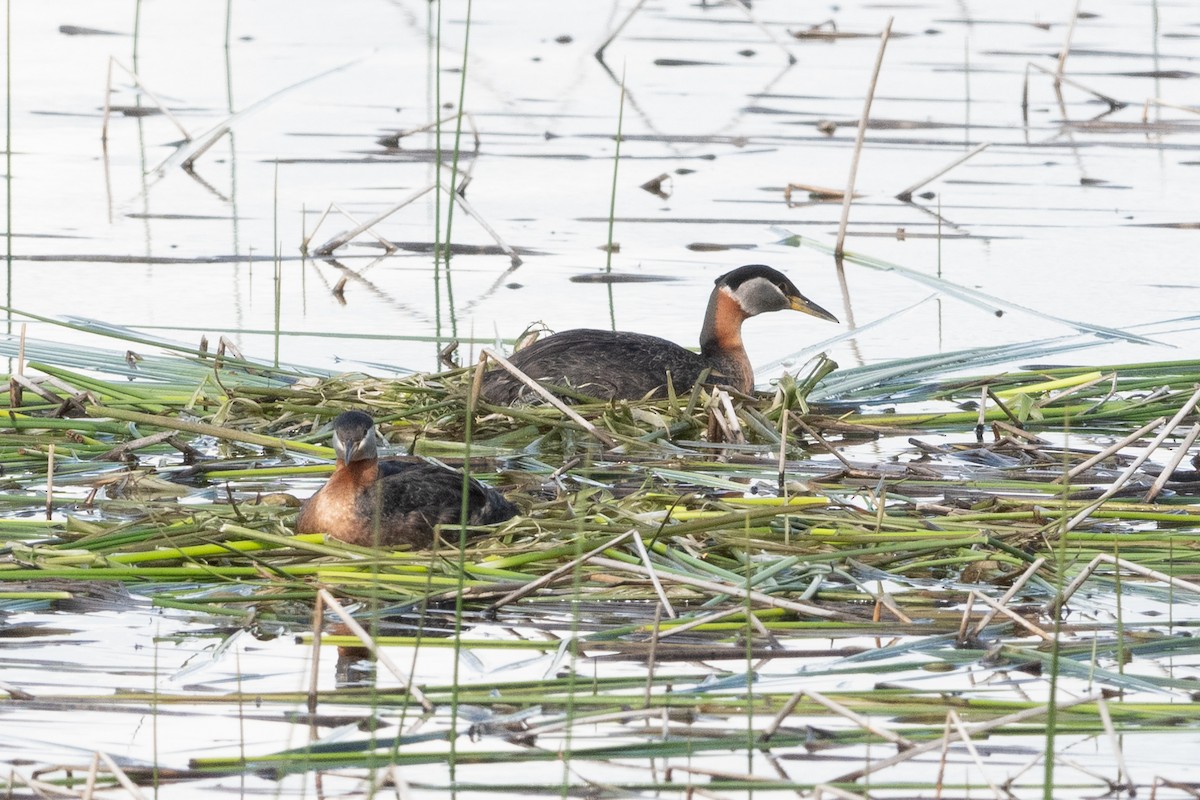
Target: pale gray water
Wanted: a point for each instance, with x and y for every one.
(1063, 216)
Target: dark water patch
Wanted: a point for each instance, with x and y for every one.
(672, 138)
(1171, 74)
(826, 35)
(1044, 26)
(80, 30)
(34, 631)
(712, 247)
(180, 216)
(1189, 226)
(1085, 51)
(136, 111)
(615, 277)
(683, 62)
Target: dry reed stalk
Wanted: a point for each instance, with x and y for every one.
(40, 391)
(1104, 558)
(345, 236)
(652, 656)
(379, 655)
(858, 142)
(1125, 476)
(858, 719)
(1020, 433)
(89, 786)
(1112, 449)
(658, 589)
(554, 574)
(1115, 742)
(804, 426)
(965, 736)
(483, 223)
(1000, 404)
(1011, 593)
(735, 427)
(907, 194)
(119, 452)
(729, 589)
(942, 760)
(1158, 101)
(121, 777)
(814, 191)
(1015, 617)
(1066, 50)
(387, 245)
(974, 730)
(961, 638)
(1112, 102)
(541, 391)
(1180, 452)
(153, 98)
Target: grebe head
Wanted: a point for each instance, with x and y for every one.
(758, 288)
(354, 437)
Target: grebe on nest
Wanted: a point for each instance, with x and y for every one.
(377, 503)
(629, 366)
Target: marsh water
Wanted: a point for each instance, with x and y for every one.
(1079, 213)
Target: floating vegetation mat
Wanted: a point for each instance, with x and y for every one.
(974, 586)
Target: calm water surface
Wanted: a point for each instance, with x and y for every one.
(1081, 213)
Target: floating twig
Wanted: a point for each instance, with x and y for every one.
(907, 194)
(187, 137)
(1113, 103)
(1018, 584)
(1157, 101)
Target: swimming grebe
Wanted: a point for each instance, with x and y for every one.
(377, 503)
(622, 365)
